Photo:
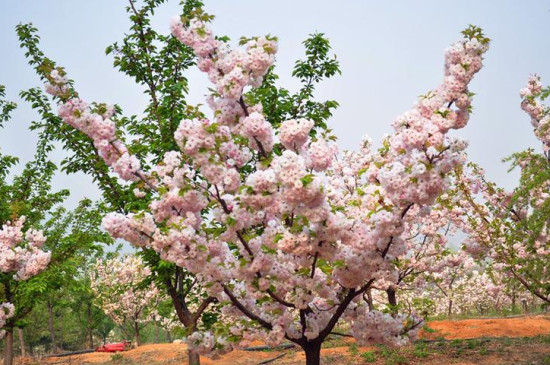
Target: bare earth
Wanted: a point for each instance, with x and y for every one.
(522, 340)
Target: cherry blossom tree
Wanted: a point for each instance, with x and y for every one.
(427, 233)
(121, 291)
(263, 215)
(158, 62)
(501, 228)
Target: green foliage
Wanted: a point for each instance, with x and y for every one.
(474, 32)
(117, 357)
(420, 350)
(6, 107)
(368, 356)
(156, 62)
(280, 104)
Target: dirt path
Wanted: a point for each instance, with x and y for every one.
(465, 352)
(496, 327)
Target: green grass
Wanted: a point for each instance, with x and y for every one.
(369, 356)
(117, 357)
(420, 350)
(428, 329)
(353, 349)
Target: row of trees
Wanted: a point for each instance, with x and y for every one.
(248, 219)
(42, 245)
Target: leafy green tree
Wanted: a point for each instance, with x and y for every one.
(71, 237)
(29, 195)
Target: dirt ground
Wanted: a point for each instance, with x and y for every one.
(520, 340)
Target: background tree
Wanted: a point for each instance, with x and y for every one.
(120, 289)
(25, 202)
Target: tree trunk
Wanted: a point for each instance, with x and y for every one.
(8, 348)
(450, 310)
(21, 342)
(168, 336)
(52, 329)
(313, 353)
(369, 300)
(193, 358)
(90, 328)
(392, 299)
(138, 337)
(60, 334)
(157, 336)
(91, 337)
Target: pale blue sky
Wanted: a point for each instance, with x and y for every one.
(390, 52)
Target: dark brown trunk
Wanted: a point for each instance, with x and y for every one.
(369, 300)
(8, 347)
(450, 310)
(392, 299)
(313, 353)
(91, 338)
(60, 334)
(185, 316)
(90, 328)
(21, 342)
(51, 328)
(138, 337)
(193, 358)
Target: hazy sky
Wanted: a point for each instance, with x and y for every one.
(390, 52)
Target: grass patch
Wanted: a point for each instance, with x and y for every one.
(420, 350)
(117, 357)
(428, 329)
(369, 356)
(353, 349)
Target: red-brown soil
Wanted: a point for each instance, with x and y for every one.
(494, 327)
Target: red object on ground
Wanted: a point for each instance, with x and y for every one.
(114, 347)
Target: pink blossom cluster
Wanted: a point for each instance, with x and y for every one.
(21, 251)
(58, 83)
(420, 154)
(97, 124)
(295, 133)
(231, 70)
(539, 113)
(373, 327)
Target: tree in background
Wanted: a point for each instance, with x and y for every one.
(74, 238)
(25, 202)
(68, 238)
(121, 291)
(502, 227)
